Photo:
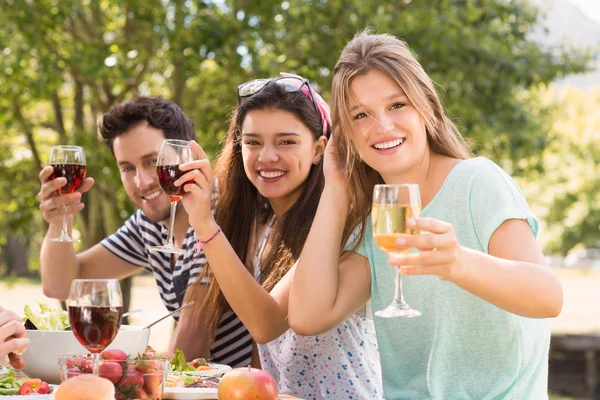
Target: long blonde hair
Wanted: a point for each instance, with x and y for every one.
(390, 55)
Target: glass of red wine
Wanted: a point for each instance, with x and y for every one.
(68, 162)
(95, 310)
(172, 153)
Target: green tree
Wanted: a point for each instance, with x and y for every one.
(478, 52)
(63, 63)
(567, 195)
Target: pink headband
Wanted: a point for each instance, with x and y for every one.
(322, 105)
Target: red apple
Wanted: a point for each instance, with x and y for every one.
(247, 383)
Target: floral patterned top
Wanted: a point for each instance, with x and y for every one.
(340, 364)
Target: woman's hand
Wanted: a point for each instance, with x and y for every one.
(439, 251)
(12, 337)
(197, 183)
(332, 166)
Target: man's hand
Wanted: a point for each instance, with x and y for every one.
(52, 204)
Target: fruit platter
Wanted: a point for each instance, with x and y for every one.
(121, 373)
(12, 385)
(141, 376)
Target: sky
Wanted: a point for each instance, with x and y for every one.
(591, 8)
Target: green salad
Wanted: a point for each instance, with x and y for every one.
(9, 385)
(47, 319)
(179, 366)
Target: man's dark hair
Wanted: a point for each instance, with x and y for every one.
(159, 113)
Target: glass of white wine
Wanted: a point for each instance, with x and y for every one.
(393, 206)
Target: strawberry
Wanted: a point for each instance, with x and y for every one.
(141, 395)
(74, 372)
(130, 383)
(146, 364)
(111, 370)
(88, 365)
(44, 388)
(25, 389)
(32, 386)
(76, 362)
(153, 384)
(114, 355)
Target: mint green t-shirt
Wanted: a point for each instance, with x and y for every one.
(462, 347)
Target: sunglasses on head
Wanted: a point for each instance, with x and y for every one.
(291, 84)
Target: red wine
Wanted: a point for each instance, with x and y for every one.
(74, 173)
(167, 175)
(95, 327)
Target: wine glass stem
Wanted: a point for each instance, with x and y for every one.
(171, 223)
(64, 222)
(398, 297)
(95, 363)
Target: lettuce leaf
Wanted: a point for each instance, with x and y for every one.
(179, 364)
(47, 319)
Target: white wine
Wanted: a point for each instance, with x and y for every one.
(389, 224)
(393, 206)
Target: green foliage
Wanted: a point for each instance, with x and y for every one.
(567, 194)
(63, 63)
(478, 52)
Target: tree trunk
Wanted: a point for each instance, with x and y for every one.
(27, 130)
(58, 115)
(179, 76)
(78, 105)
(98, 206)
(16, 256)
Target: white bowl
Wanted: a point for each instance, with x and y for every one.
(41, 357)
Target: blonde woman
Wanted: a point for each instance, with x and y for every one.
(479, 277)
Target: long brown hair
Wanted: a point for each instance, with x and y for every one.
(240, 206)
(391, 56)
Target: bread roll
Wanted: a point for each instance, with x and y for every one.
(85, 387)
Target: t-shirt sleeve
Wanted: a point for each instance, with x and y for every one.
(364, 245)
(494, 198)
(127, 242)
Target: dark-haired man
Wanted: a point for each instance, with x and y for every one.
(135, 131)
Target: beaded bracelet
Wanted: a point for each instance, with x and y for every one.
(201, 243)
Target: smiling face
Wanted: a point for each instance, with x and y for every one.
(278, 151)
(389, 134)
(136, 152)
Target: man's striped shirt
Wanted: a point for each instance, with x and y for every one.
(233, 342)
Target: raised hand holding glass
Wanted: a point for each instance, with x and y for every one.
(393, 206)
(172, 154)
(67, 162)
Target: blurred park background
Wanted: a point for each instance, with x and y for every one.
(520, 78)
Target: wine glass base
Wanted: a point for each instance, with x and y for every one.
(167, 249)
(398, 310)
(64, 239)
